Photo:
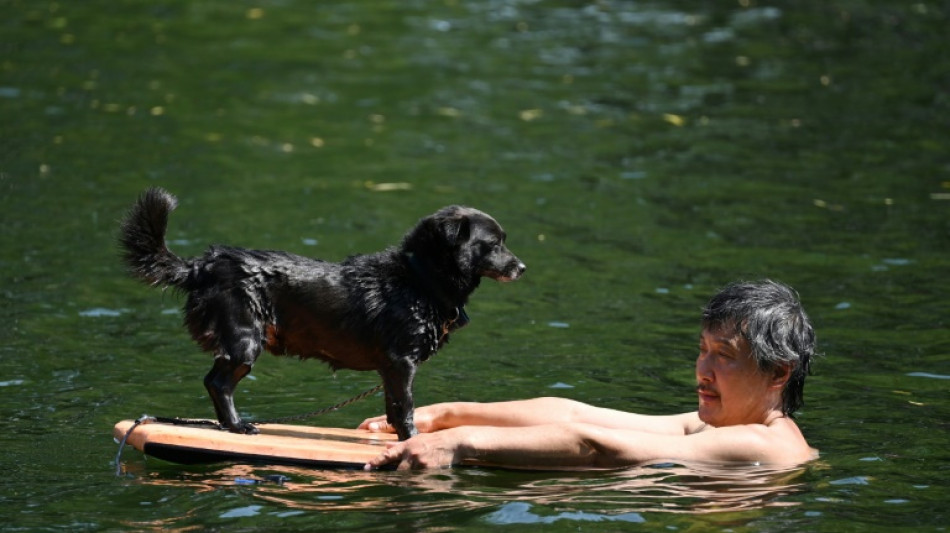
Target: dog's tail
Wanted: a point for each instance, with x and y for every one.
(143, 241)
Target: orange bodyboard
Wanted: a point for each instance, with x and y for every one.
(284, 444)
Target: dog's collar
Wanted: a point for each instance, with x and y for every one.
(459, 321)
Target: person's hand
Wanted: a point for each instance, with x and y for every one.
(377, 424)
(424, 418)
(425, 450)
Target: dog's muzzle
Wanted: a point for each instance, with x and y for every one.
(511, 273)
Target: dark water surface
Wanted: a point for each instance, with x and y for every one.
(640, 156)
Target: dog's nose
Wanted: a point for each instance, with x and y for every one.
(519, 269)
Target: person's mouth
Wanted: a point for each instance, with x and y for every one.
(706, 395)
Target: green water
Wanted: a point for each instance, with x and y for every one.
(640, 155)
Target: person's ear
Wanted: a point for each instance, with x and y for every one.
(781, 374)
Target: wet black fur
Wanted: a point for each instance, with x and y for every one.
(388, 311)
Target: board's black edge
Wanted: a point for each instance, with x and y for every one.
(189, 455)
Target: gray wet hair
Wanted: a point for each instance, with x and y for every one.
(769, 315)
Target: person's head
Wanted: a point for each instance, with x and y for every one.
(767, 319)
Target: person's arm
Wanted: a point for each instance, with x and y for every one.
(575, 445)
(537, 446)
(537, 411)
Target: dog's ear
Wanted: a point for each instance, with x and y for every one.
(456, 229)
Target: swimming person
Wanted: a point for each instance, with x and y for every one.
(755, 350)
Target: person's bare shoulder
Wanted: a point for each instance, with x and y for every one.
(779, 442)
(789, 441)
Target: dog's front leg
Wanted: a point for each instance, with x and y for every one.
(397, 380)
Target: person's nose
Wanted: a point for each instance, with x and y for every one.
(703, 368)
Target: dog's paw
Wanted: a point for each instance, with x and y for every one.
(245, 428)
(407, 433)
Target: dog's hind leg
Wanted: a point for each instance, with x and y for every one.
(397, 380)
(222, 380)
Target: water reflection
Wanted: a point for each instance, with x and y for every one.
(505, 497)
(672, 488)
(666, 488)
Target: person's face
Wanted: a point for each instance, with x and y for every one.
(732, 390)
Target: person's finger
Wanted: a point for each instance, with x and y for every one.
(380, 425)
(392, 453)
(376, 425)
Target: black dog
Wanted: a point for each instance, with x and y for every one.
(387, 311)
